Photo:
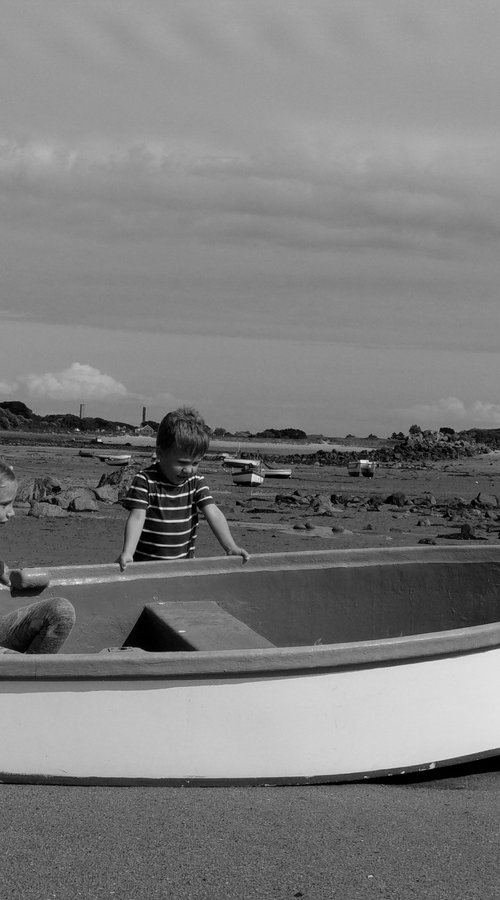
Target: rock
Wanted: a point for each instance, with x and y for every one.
(84, 502)
(46, 510)
(291, 499)
(121, 479)
(38, 489)
(397, 499)
(107, 493)
(322, 505)
(79, 499)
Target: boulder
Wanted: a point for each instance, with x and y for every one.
(121, 479)
(84, 502)
(107, 493)
(80, 499)
(46, 510)
(397, 499)
(322, 505)
(38, 489)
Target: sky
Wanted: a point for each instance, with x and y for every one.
(285, 214)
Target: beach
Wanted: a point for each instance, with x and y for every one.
(359, 516)
(433, 836)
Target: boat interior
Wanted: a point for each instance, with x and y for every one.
(275, 600)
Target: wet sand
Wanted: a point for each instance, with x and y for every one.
(433, 837)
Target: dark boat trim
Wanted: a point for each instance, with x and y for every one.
(423, 769)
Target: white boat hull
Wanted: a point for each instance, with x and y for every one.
(120, 459)
(262, 729)
(361, 467)
(248, 478)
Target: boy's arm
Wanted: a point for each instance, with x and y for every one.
(133, 529)
(4, 573)
(218, 523)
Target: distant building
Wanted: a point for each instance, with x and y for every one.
(145, 431)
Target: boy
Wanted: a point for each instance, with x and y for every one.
(164, 499)
(41, 627)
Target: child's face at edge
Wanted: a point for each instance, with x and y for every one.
(8, 491)
(178, 465)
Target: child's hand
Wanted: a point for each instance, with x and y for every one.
(124, 559)
(238, 551)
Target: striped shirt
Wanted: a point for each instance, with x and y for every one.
(171, 523)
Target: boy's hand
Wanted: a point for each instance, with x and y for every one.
(124, 559)
(238, 551)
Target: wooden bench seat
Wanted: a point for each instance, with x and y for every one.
(193, 625)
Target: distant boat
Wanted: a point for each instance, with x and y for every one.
(248, 475)
(277, 471)
(86, 453)
(238, 462)
(364, 467)
(116, 459)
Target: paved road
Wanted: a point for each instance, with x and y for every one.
(435, 839)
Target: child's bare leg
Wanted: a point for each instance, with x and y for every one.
(41, 627)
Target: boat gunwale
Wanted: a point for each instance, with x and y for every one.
(128, 665)
(106, 573)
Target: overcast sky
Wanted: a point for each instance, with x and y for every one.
(283, 213)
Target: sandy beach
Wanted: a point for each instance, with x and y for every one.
(439, 498)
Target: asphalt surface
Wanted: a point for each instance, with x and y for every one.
(433, 837)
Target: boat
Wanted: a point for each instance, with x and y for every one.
(277, 471)
(83, 452)
(248, 475)
(116, 459)
(239, 462)
(364, 467)
(295, 668)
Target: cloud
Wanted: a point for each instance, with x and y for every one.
(454, 412)
(8, 387)
(78, 382)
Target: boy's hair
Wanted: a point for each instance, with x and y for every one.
(185, 429)
(6, 473)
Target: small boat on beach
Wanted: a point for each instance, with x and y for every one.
(83, 452)
(248, 475)
(295, 668)
(238, 462)
(116, 459)
(272, 471)
(364, 467)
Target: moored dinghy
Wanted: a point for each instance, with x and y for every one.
(248, 476)
(116, 459)
(310, 667)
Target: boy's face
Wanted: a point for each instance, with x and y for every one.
(8, 491)
(177, 465)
